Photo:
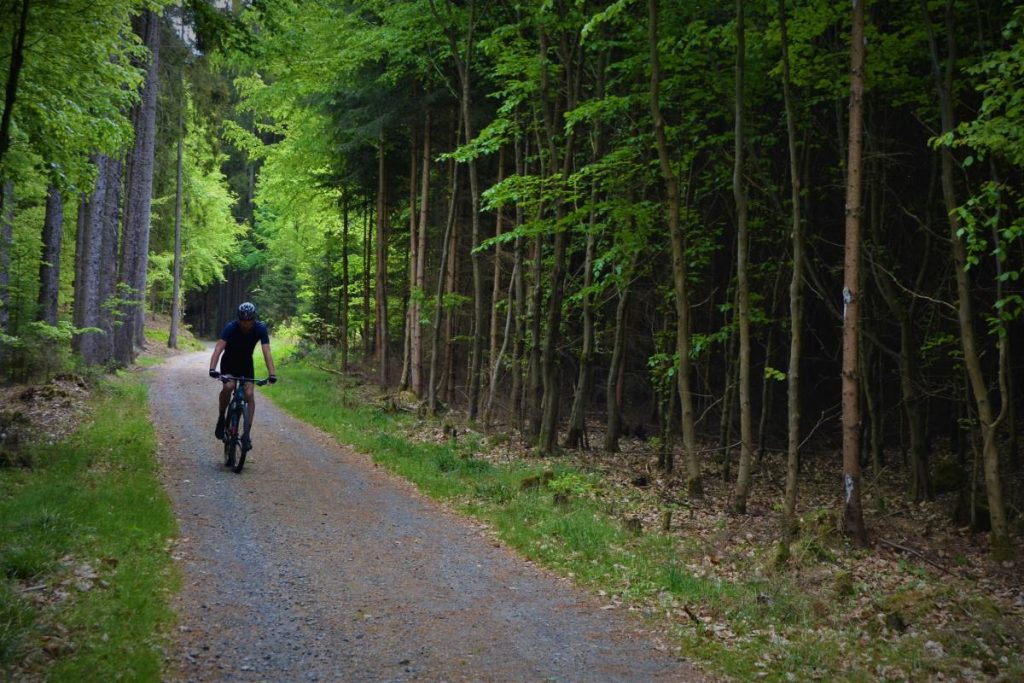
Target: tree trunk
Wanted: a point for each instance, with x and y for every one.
(6, 242)
(367, 251)
(796, 302)
(416, 342)
(94, 262)
(853, 516)
(344, 282)
(172, 339)
(547, 439)
(49, 265)
(463, 66)
(577, 416)
(17, 57)
(742, 286)
(679, 267)
(516, 389)
(410, 311)
(534, 391)
(493, 355)
(1000, 536)
(134, 263)
(381, 291)
(612, 389)
(435, 348)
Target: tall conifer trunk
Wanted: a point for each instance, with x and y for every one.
(853, 516)
(172, 339)
(134, 261)
(49, 265)
(381, 298)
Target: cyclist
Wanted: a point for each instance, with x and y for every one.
(236, 343)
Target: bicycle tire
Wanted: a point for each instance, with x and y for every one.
(241, 461)
(231, 443)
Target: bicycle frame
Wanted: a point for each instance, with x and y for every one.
(237, 413)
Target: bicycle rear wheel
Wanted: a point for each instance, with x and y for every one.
(244, 441)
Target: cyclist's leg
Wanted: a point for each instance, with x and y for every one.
(250, 400)
(223, 400)
(225, 396)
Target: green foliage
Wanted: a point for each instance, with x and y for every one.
(39, 351)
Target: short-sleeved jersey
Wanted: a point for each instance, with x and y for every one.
(237, 358)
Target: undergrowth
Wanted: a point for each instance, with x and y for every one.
(85, 576)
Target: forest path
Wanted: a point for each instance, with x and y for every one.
(314, 565)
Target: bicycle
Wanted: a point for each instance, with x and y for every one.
(237, 412)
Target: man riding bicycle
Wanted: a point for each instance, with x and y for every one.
(236, 343)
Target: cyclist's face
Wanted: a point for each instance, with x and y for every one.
(246, 324)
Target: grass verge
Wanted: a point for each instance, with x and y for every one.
(85, 577)
(757, 623)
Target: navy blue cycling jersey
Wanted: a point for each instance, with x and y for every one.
(240, 342)
(238, 351)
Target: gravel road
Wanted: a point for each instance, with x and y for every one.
(314, 565)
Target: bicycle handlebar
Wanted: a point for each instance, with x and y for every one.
(230, 378)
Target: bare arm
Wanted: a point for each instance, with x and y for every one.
(217, 351)
(268, 359)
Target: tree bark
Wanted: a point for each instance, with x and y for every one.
(493, 355)
(367, 259)
(49, 265)
(547, 439)
(381, 292)
(11, 91)
(6, 242)
(678, 264)
(134, 262)
(406, 381)
(416, 342)
(1000, 536)
(742, 286)
(614, 421)
(172, 339)
(796, 302)
(435, 347)
(853, 516)
(344, 282)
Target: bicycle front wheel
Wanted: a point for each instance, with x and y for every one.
(231, 442)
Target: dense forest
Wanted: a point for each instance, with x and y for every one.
(736, 228)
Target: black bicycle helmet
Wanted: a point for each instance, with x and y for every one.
(247, 311)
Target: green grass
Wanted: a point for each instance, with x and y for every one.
(762, 624)
(161, 335)
(90, 507)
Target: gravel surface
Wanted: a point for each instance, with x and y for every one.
(314, 565)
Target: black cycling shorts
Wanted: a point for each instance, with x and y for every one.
(237, 366)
